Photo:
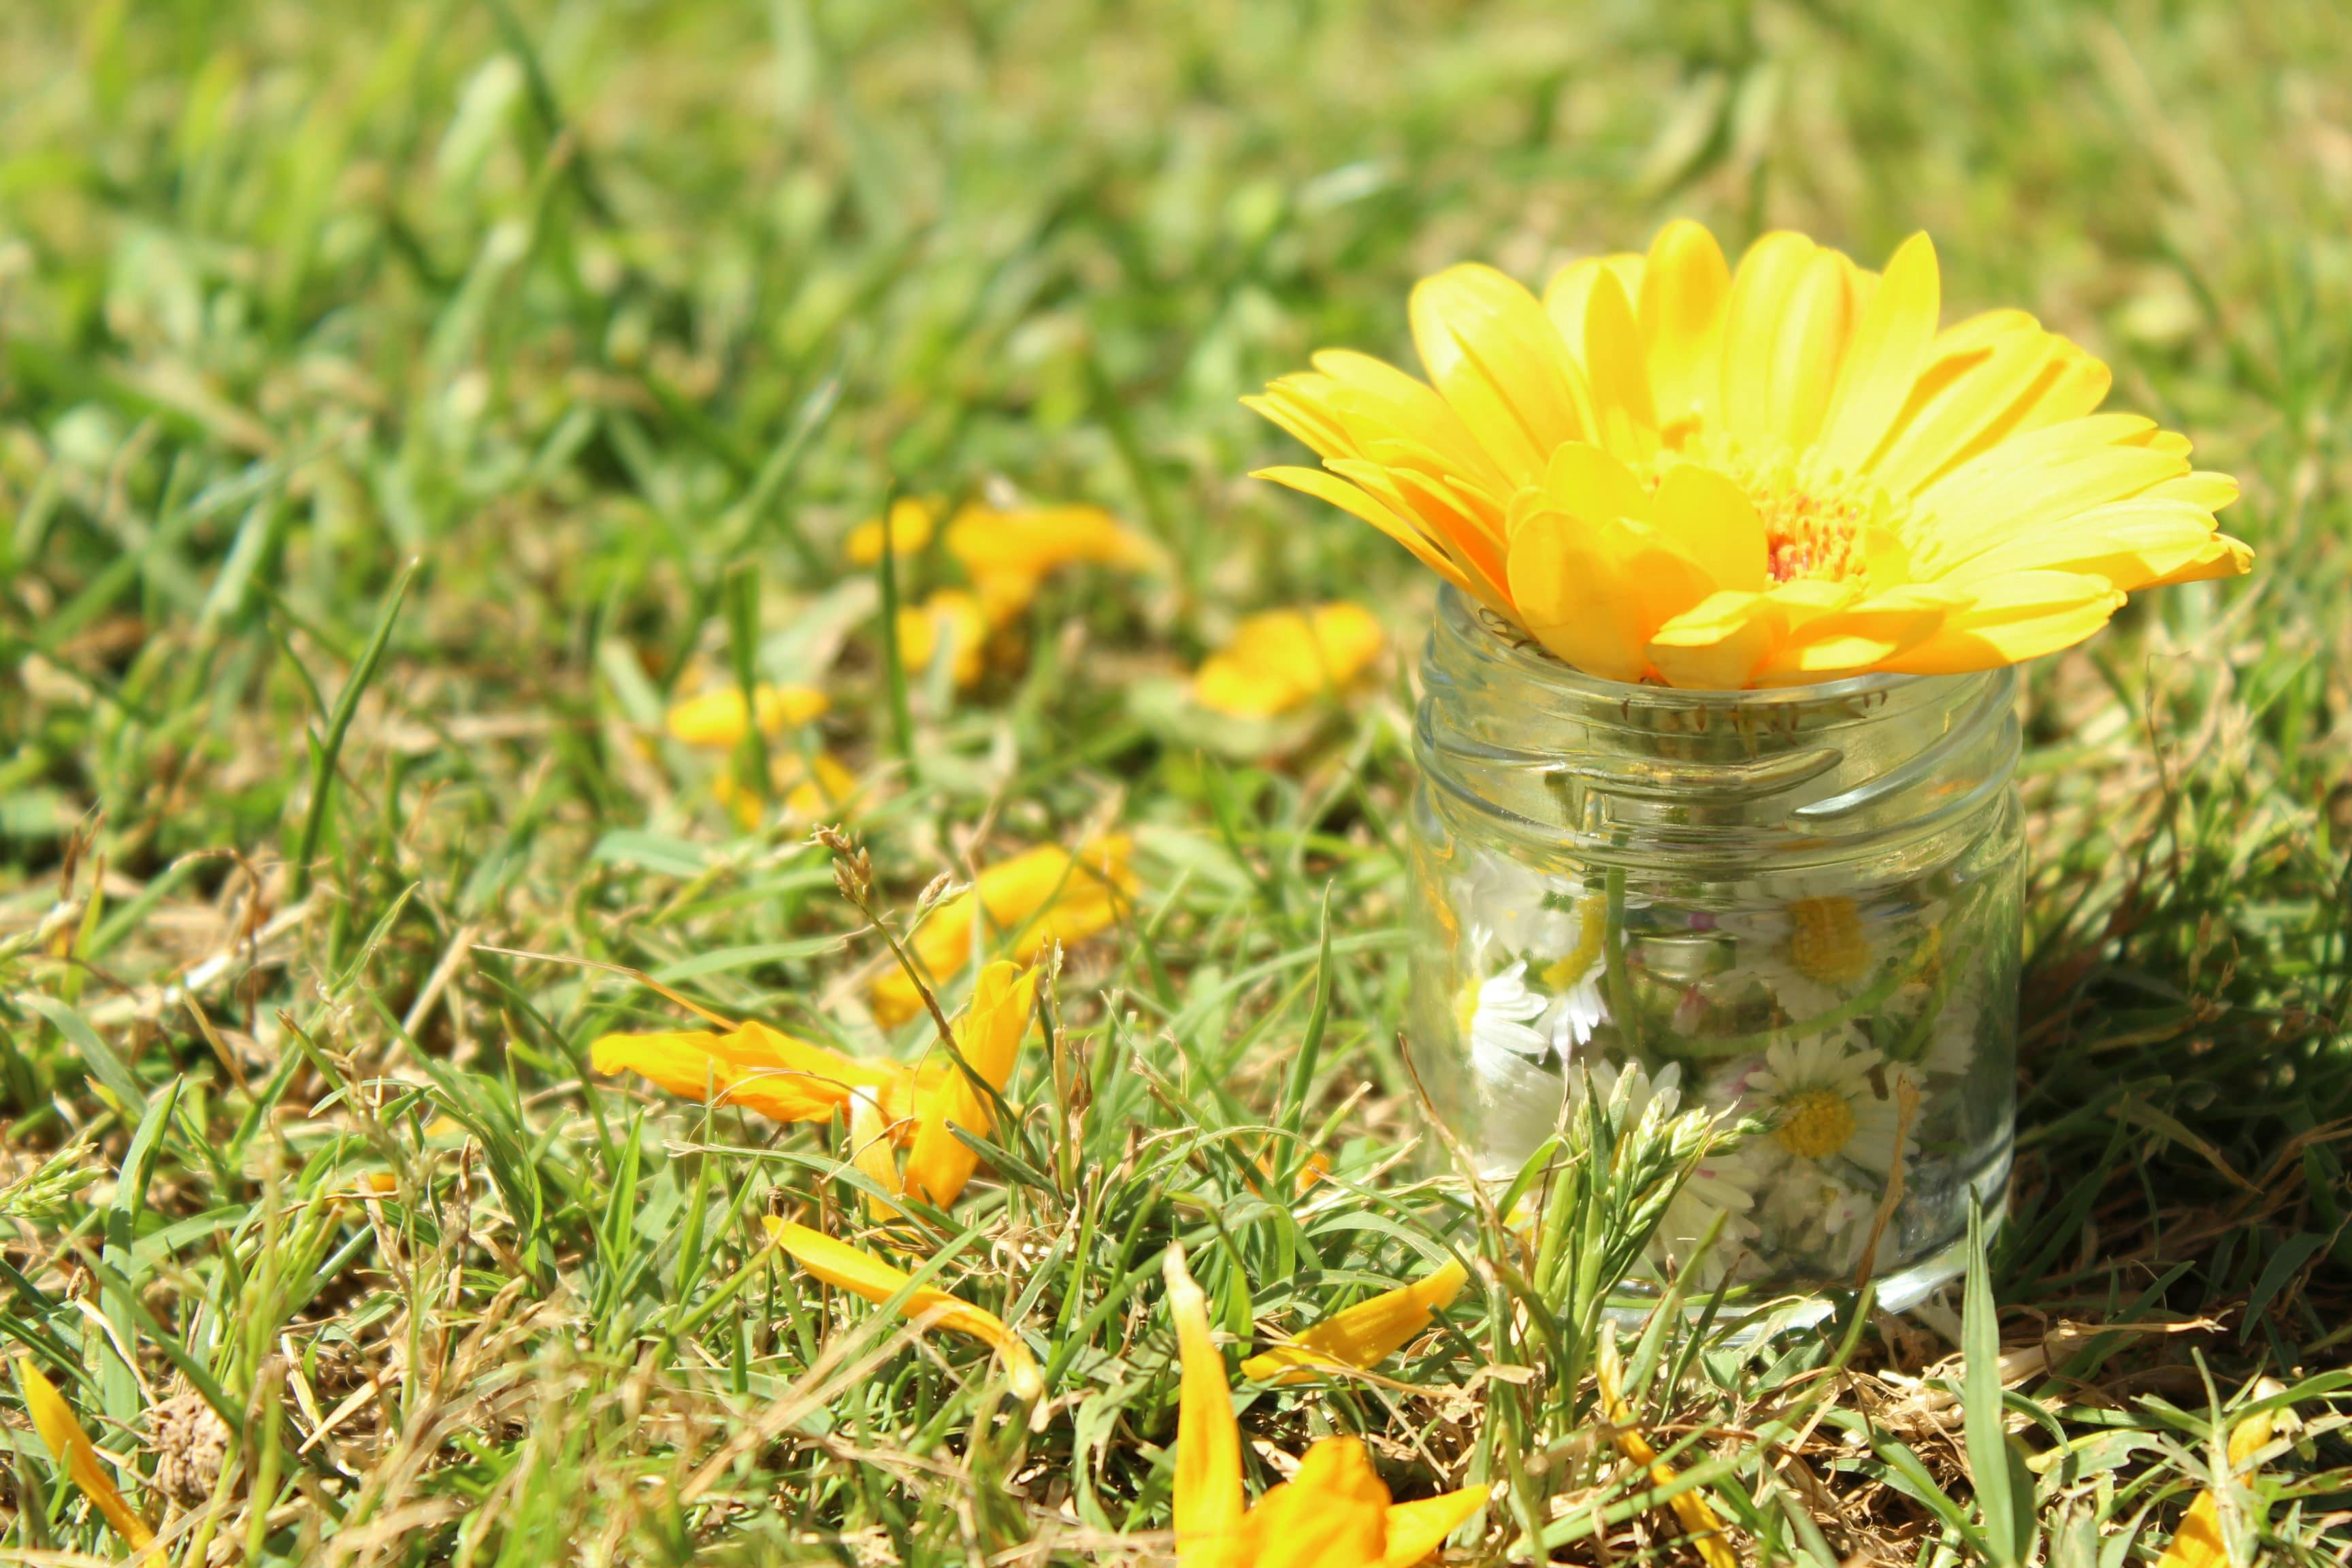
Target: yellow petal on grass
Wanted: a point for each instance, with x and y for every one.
(1698, 1519)
(1036, 541)
(871, 1136)
(953, 618)
(840, 1265)
(718, 718)
(755, 1066)
(1044, 895)
(814, 789)
(988, 1036)
(912, 522)
(1333, 1513)
(2199, 1542)
(71, 1451)
(1365, 1335)
(1419, 1528)
(1282, 660)
(1208, 1490)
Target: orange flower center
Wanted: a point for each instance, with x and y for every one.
(1814, 1123)
(1815, 524)
(1826, 941)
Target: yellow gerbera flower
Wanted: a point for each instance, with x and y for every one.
(1045, 895)
(1666, 470)
(1335, 1513)
(1283, 658)
(71, 1451)
(845, 1268)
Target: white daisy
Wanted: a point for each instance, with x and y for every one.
(1812, 954)
(1827, 1100)
(1502, 1022)
(1520, 910)
(1815, 1215)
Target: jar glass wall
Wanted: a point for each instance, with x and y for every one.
(1802, 904)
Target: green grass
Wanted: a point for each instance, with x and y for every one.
(612, 319)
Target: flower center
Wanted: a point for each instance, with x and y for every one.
(1817, 1122)
(1826, 941)
(1815, 523)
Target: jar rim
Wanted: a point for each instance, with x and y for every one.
(1532, 661)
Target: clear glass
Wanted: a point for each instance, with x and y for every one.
(1802, 904)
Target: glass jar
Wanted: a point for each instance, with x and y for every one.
(1802, 905)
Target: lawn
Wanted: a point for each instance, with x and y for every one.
(403, 406)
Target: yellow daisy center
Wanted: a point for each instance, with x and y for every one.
(1815, 1123)
(1826, 941)
(1816, 524)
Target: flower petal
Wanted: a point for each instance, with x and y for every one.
(1595, 592)
(1752, 329)
(1419, 1528)
(2012, 619)
(1491, 351)
(71, 1451)
(1365, 1335)
(840, 1265)
(911, 523)
(1890, 344)
(718, 718)
(1041, 896)
(988, 1036)
(751, 1066)
(1685, 283)
(1208, 1501)
(1816, 326)
(1617, 372)
(1333, 1513)
(1718, 643)
(1698, 1519)
(1711, 521)
(1584, 481)
(1353, 499)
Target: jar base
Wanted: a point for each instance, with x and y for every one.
(1899, 1291)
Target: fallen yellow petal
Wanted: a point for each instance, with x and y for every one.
(1362, 1335)
(1333, 1513)
(952, 615)
(862, 1274)
(1417, 1529)
(1045, 894)
(718, 718)
(2199, 1542)
(1208, 1502)
(911, 521)
(988, 1036)
(71, 1451)
(754, 1067)
(1284, 658)
(1698, 1519)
